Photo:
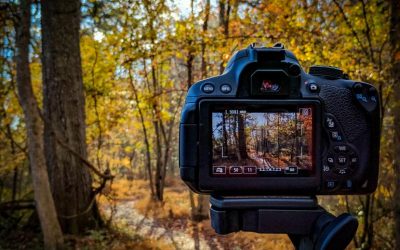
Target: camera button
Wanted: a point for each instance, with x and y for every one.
(342, 171)
(313, 86)
(373, 95)
(336, 136)
(208, 88)
(294, 70)
(342, 160)
(357, 87)
(341, 148)
(330, 122)
(353, 160)
(226, 88)
(330, 160)
(348, 184)
(331, 184)
(362, 98)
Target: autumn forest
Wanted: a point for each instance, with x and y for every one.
(90, 100)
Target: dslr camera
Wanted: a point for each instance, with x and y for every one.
(266, 127)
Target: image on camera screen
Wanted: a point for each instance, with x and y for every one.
(247, 143)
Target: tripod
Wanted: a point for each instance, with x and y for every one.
(308, 225)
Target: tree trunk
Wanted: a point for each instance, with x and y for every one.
(224, 16)
(242, 136)
(235, 132)
(200, 211)
(225, 150)
(64, 114)
(167, 135)
(53, 238)
(395, 46)
(189, 64)
(15, 171)
(203, 207)
(190, 56)
(158, 176)
(203, 44)
(145, 134)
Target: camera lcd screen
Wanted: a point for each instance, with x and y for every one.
(247, 142)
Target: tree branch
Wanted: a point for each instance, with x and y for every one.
(22, 149)
(347, 21)
(368, 32)
(17, 205)
(72, 151)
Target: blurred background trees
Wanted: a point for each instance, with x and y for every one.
(138, 60)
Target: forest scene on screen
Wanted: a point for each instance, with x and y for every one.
(262, 143)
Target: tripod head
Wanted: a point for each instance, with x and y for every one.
(308, 225)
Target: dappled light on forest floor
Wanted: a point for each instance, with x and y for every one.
(135, 214)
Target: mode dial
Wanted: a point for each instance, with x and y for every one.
(326, 72)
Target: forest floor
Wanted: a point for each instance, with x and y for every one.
(168, 224)
(135, 221)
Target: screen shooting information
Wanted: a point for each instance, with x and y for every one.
(250, 144)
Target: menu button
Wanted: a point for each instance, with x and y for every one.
(208, 88)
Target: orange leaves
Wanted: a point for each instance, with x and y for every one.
(397, 57)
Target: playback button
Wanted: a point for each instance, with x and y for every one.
(330, 160)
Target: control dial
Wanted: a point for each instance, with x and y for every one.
(327, 72)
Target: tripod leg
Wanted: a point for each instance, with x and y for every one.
(301, 242)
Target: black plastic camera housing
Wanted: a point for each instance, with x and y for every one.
(266, 127)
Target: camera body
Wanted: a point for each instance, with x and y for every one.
(266, 127)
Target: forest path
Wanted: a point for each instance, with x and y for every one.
(127, 219)
(260, 161)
